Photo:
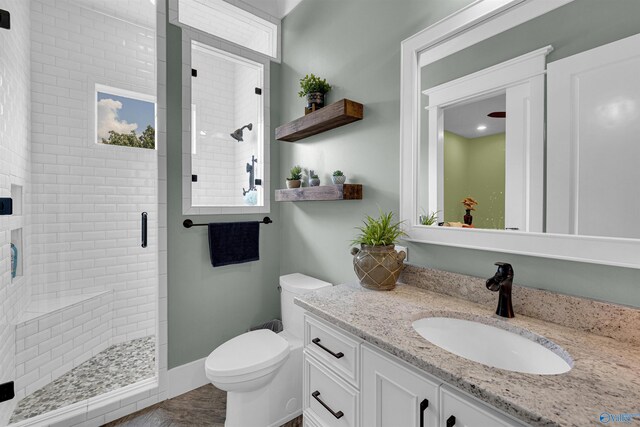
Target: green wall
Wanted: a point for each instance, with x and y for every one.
(475, 167)
(355, 44)
(456, 183)
(206, 305)
(578, 26)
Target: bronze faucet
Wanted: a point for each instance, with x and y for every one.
(502, 281)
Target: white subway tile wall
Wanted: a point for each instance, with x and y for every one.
(225, 100)
(52, 344)
(87, 198)
(246, 110)
(14, 169)
(231, 23)
(214, 161)
(48, 68)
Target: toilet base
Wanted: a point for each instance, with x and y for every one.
(275, 403)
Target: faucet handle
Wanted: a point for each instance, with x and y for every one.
(504, 269)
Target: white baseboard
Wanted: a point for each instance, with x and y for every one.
(187, 377)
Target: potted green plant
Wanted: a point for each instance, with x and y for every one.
(295, 175)
(428, 219)
(338, 177)
(376, 263)
(314, 88)
(314, 180)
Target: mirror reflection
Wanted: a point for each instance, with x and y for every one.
(469, 147)
(474, 163)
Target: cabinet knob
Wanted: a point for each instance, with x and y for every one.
(451, 421)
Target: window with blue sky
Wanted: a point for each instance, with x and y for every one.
(125, 121)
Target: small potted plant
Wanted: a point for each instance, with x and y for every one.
(469, 205)
(314, 180)
(428, 219)
(314, 88)
(293, 181)
(376, 263)
(338, 177)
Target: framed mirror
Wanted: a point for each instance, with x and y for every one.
(481, 88)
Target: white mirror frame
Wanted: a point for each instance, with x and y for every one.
(480, 20)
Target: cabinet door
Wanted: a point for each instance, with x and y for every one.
(458, 410)
(393, 395)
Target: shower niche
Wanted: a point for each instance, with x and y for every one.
(224, 142)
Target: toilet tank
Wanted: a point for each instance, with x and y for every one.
(291, 286)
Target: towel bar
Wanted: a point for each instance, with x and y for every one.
(188, 223)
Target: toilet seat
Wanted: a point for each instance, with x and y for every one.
(250, 355)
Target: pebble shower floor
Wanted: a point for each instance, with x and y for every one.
(117, 366)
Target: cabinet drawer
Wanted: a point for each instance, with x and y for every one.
(340, 352)
(328, 400)
(468, 412)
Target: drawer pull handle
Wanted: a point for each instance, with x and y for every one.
(316, 396)
(316, 341)
(423, 407)
(451, 421)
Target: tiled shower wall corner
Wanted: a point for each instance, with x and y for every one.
(14, 169)
(87, 197)
(51, 345)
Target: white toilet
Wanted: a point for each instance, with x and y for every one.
(261, 370)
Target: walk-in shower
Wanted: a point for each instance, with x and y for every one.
(78, 319)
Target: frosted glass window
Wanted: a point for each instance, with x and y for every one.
(231, 23)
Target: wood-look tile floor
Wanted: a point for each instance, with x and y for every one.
(202, 407)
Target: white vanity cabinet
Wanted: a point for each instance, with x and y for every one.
(393, 395)
(349, 383)
(458, 410)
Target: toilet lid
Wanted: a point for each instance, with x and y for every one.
(246, 353)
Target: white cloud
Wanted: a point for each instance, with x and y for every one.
(108, 119)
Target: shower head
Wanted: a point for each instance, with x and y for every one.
(237, 134)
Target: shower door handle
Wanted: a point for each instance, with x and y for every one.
(144, 229)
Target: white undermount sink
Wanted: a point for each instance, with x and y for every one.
(493, 346)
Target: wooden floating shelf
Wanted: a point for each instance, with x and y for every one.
(330, 117)
(323, 192)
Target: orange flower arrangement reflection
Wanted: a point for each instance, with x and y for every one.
(469, 203)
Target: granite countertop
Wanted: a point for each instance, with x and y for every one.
(605, 376)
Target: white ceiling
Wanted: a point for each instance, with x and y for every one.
(464, 119)
(276, 8)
